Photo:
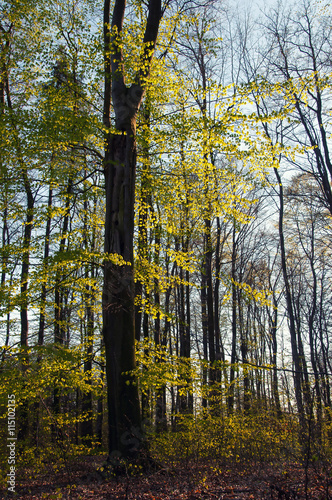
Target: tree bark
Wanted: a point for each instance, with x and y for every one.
(124, 424)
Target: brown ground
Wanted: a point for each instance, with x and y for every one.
(187, 481)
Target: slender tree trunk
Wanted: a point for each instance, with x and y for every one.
(234, 325)
(24, 412)
(325, 366)
(87, 424)
(5, 233)
(5, 257)
(26, 247)
(157, 326)
(41, 330)
(100, 403)
(291, 318)
(145, 204)
(205, 337)
(161, 412)
(209, 302)
(273, 322)
(188, 339)
(60, 292)
(185, 400)
(220, 354)
(160, 340)
(243, 334)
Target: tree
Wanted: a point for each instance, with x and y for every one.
(124, 424)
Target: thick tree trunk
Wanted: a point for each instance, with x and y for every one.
(118, 295)
(124, 424)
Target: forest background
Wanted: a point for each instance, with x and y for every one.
(232, 249)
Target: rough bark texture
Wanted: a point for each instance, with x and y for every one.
(125, 433)
(118, 296)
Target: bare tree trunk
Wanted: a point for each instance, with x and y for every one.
(26, 247)
(205, 337)
(100, 404)
(145, 203)
(60, 292)
(125, 433)
(87, 424)
(234, 325)
(273, 323)
(292, 327)
(243, 334)
(41, 329)
(5, 257)
(220, 354)
(118, 294)
(209, 302)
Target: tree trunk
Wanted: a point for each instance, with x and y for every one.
(145, 204)
(234, 325)
(118, 294)
(60, 292)
(205, 337)
(41, 329)
(273, 323)
(209, 302)
(292, 327)
(100, 403)
(88, 297)
(124, 425)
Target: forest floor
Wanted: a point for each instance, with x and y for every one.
(208, 480)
